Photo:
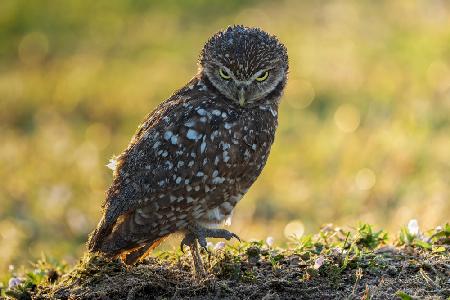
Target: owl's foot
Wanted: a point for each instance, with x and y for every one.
(197, 235)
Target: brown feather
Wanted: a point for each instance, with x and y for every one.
(139, 254)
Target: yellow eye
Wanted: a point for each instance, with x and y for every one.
(263, 76)
(224, 74)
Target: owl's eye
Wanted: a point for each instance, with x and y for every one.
(224, 74)
(263, 76)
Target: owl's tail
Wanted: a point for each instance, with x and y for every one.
(140, 253)
(117, 239)
(97, 237)
(104, 228)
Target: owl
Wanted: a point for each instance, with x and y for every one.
(198, 152)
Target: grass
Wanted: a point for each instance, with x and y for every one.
(359, 263)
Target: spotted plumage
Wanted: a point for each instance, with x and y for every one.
(198, 152)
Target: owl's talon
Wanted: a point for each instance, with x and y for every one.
(236, 237)
(206, 250)
(201, 234)
(188, 240)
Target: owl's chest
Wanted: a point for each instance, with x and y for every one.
(239, 157)
(236, 155)
(246, 141)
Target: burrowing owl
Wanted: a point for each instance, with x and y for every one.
(199, 151)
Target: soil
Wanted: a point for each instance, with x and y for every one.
(259, 272)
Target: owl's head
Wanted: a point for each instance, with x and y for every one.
(244, 64)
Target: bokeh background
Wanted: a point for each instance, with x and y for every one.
(364, 129)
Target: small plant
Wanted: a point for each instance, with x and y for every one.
(403, 296)
(367, 237)
(304, 243)
(45, 271)
(441, 235)
(434, 240)
(275, 257)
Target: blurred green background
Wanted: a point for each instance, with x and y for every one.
(364, 129)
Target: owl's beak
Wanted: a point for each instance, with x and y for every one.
(241, 96)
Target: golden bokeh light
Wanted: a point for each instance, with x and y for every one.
(294, 229)
(365, 179)
(347, 118)
(299, 93)
(33, 48)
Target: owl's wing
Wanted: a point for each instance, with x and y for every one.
(162, 159)
(167, 167)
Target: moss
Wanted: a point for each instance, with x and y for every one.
(352, 264)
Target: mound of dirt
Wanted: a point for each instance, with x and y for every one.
(333, 264)
(256, 273)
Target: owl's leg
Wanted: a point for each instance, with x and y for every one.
(190, 240)
(196, 235)
(198, 263)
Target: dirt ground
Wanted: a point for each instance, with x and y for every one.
(388, 273)
(333, 264)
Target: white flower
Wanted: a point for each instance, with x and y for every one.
(269, 241)
(112, 163)
(209, 245)
(13, 282)
(219, 245)
(413, 227)
(319, 262)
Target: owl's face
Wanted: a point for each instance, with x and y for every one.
(244, 64)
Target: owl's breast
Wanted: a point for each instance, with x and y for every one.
(246, 142)
(237, 153)
(196, 161)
